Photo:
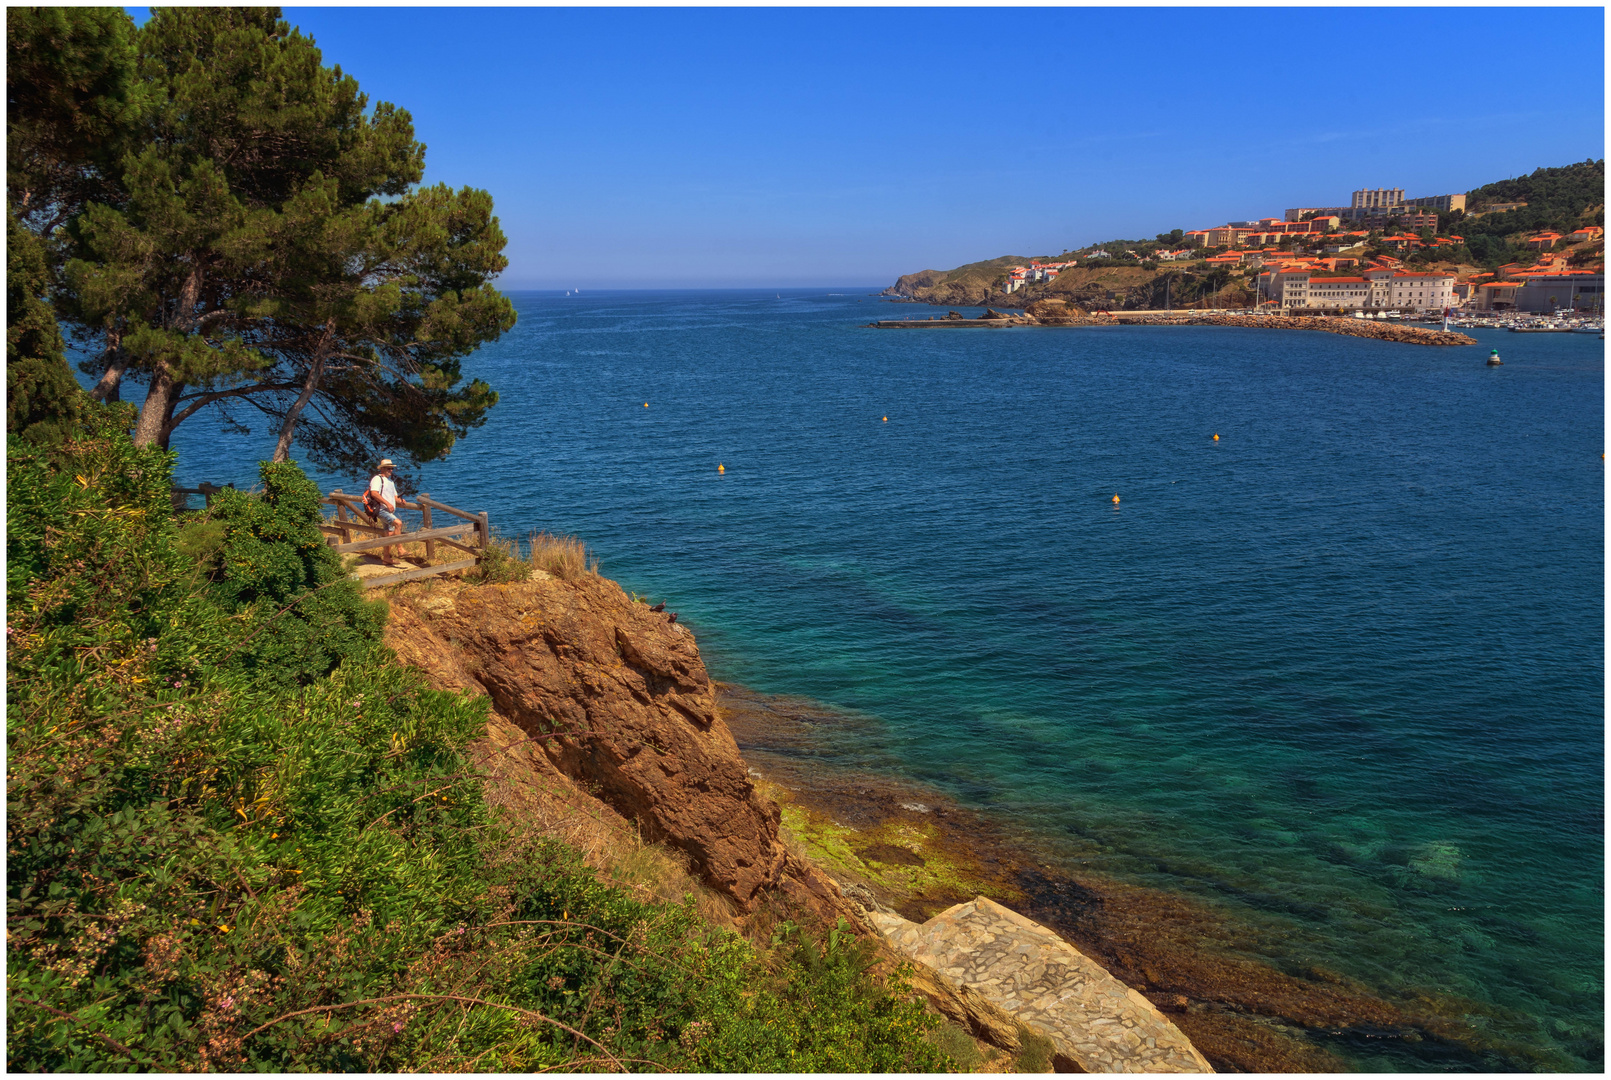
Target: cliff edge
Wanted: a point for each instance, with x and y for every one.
(608, 709)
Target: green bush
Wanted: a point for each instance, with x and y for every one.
(289, 864)
(274, 562)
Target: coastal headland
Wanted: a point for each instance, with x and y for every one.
(1057, 313)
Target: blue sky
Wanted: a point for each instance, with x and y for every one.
(785, 147)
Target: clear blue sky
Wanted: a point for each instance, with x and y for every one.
(781, 147)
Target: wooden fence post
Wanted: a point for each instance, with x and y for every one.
(425, 517)
(485, 531)
(341, 516)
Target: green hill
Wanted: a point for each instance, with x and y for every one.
(1562, 199)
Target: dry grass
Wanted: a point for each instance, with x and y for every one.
(566, 557)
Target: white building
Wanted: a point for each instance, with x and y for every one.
(1417, 292)
(1375, 290)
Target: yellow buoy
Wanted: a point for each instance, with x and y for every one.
(721, 468)
(1115, 498)
(1216, 438)
(646, 405)
(886, 419)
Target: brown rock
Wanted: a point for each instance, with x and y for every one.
(619, 701)
(967, 1008)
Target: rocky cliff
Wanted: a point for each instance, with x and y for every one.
(614, 707)
(605, 732)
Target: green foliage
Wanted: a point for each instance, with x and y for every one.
(42, 398)
(274, 563)
(815, 1011)
(958, 1045)
(212, 868)
(1558, 198)
(1036, 1055)
(254, 235)
(72, 96)
(500, 563)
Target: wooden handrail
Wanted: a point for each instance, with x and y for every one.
(450, 509)
(404, 538)
(343, 528)
(452, 536)
(416, 573)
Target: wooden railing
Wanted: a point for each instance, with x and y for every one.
(472, 536)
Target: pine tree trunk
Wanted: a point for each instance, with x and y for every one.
(282, 450)
(157, 412)
(108, 387)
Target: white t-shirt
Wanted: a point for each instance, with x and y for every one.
(383, 486)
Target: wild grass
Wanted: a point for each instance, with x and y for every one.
(566, 557)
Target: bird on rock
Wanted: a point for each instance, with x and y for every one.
(672, 619)
(659, 607)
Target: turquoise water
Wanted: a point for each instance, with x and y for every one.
(1339, 674)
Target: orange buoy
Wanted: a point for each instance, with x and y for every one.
(886, 419)
(646, 405)
(1115, 498)
(1216, 438)
(721, 468)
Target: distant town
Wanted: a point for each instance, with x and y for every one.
(1303, 255)
(1481, 251)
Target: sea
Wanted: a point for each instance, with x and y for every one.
(1337, 673)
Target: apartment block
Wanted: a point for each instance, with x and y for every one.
(1385, 198)
(1443, 204)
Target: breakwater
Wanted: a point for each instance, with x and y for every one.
(1329, 324)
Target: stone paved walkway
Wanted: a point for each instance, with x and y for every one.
(1097, 1022)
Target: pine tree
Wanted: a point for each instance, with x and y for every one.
(268, 248)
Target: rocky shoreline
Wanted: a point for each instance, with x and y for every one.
(607, 732)
(899, 847)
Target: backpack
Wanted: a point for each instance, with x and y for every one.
(372, 501)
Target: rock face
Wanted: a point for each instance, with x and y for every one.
(1097, 1023)
(618, 699)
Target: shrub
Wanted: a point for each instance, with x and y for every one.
(273, 561)
(499, 562)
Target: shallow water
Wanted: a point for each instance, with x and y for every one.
(1339, 673)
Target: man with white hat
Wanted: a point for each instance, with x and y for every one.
(381, 498)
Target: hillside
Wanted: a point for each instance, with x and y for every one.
(967, 284)
(242, 836)
(1561, 198)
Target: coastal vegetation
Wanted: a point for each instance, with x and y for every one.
(241, 835)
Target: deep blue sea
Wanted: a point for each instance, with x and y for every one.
(1339, 673)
